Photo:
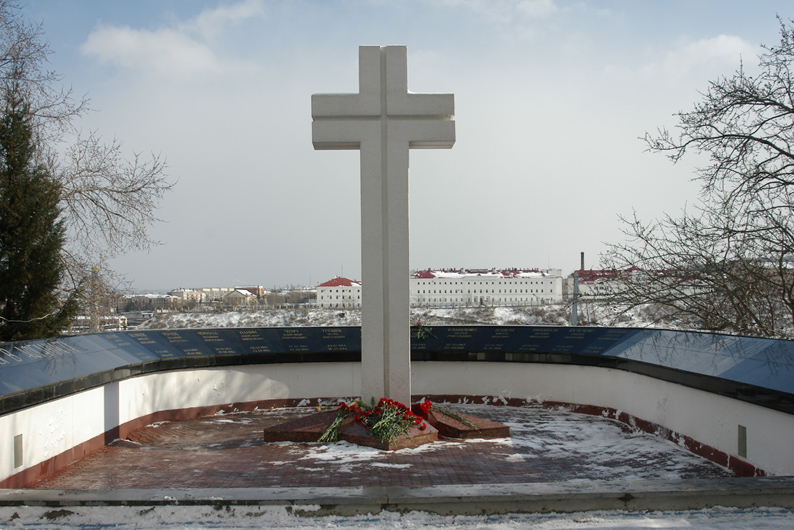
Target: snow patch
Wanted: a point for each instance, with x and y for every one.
(245, 517)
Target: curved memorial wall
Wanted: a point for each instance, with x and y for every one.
(728, 398)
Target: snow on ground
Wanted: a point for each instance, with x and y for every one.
(263, 318)
(590, 313)
(312, 316)
(595, 441)
(243, 517)
(586, 447)
(591, 446)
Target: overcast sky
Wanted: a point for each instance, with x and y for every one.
(551, 98)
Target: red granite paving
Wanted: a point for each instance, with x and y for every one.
(229, 452)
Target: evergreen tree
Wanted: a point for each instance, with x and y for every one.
(31, 233)
(107, 201)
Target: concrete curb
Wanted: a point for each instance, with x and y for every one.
(479, 499)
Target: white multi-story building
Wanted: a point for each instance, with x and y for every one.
(485, 287)
(339, 292)
(460, 288)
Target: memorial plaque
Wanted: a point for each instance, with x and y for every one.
(295, 340)
(537, 340)
(38, 367)
(253, 342)
(335, 339)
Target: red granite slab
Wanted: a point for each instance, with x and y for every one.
(310, 428)
(413, 437)
(305, 429)
(472, 427)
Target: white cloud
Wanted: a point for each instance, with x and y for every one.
(213, 21)
(537, 8)
(506, 11)
(172, 51)
(715, 53)
(161, 51)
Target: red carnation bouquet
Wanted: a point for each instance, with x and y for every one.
(426, 406)
(386, 421)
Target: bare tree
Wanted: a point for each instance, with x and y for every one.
(727, 263)
(108, 202)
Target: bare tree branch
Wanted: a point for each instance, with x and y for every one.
(108, 201)
(727, 264)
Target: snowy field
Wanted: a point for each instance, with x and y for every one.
(590, 313)
(313, 316)
(206, 517)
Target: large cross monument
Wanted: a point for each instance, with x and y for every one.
(384, 121)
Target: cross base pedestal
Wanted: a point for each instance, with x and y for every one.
(438, 425)
(310, 428)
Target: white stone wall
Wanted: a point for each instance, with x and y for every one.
(708, 418)
(51, 428)
(54, 427)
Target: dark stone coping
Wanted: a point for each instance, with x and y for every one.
(27, 398)
(754, 370)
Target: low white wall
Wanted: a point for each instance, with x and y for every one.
(49, 429)
(218, 386)
(708, 418)
(54, 427)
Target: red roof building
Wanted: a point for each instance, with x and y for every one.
(339, 282)
(339, 293)
(459, 288)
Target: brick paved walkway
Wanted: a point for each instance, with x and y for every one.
(227, 451)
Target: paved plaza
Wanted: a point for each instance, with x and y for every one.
(216, 472)
(227, 451)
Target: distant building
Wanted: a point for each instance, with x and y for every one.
(82, 324)
(188, 295)
(152, 302)
(485, 287)
(217, 294)
(460, 288)
(339, 293)
(597, 283)
(212, 294)
(241, 297)
(256, 290)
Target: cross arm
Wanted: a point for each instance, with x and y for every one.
(343, 134)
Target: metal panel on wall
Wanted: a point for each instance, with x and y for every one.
(43, 368)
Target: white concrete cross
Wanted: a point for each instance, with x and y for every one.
(384, 121)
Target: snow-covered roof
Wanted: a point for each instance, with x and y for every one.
(340, 282)
(150, 295)
(483, 273)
